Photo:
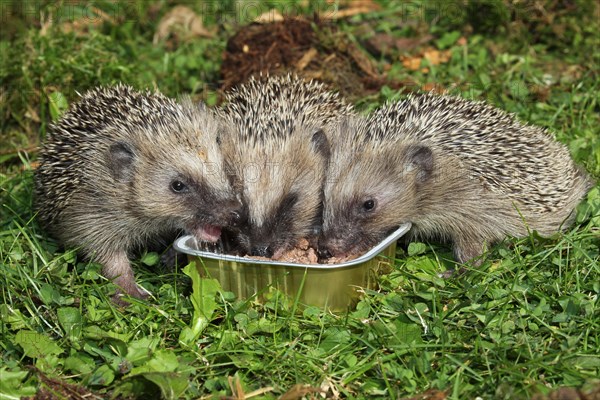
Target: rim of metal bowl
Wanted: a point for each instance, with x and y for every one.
(184, 245)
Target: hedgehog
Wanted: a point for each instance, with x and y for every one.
(123, 169)
(460, 171)
(276, 153)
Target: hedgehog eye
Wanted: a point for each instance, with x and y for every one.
(369, 205)
(178, 187)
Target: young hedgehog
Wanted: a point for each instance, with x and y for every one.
(458, 170)
(277, 156)
(122, 169)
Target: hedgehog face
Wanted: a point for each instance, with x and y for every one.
(280, 187)
(277, 159)
(183, 195)
(177, 185)
(369, 191)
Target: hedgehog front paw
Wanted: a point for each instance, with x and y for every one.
(127, 286)
(469, 251)
(138, 292)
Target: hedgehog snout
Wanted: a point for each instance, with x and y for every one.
(329, 246)
(323, 253)
(324, 249)
(261, 250)
(223, 212)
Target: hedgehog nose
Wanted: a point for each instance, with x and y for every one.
(323, 253)
(262, 251)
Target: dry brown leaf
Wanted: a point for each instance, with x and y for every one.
(299, 391)
(433, 56)
(183, 21)
(349, 12)
(363, 62)
(411, 63)
(327, 386)
(436, 57)
(542, 93)
(562, 394)
(411, 43)
(269, 16)
(431, 394)
(236, 388)
(237, 391)
(32, 114)
(95, 17)
(29, 149)
(433, 87)
(306, 59)
(383, 43)
(259, 392)
(572, 73)
(354, 8)
(314, 75)
(54, 388)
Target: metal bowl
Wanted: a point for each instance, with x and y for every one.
(333, 286)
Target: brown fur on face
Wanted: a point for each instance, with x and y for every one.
(122, 169)
(459, 171)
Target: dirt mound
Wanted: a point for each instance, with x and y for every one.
(312, 49)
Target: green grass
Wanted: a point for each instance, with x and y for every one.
(524, 323)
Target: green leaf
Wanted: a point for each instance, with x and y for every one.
(140, 351)
(58, 105)
(242, 320)
(161, 369)
(50, 295)
(103, 352)
(518, 89)
(585, 362)
(103, 376)
(36, 345)
(590, 208)
(71, 321)
(350, 360)
(416, 248)
(204, 291)
(334, 337)
(79, 363)
(485, 80)
(12, 386)
(161, 361)
(150, 259)
(91, 271)
(408, 333)
(12, 317)
(447, 40)
(172, 385)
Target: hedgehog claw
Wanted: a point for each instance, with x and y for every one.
(119, 297)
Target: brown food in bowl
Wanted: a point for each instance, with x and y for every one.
(303, 253)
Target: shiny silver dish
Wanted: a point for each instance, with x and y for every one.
(333, 286)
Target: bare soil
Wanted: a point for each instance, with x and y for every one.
(312, 49)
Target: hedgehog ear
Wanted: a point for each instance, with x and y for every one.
(420, 158)
(320, 143)
(120, 161)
